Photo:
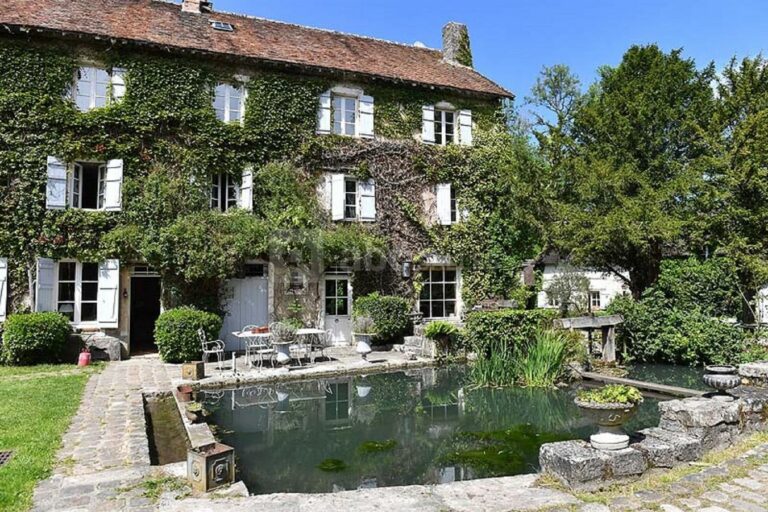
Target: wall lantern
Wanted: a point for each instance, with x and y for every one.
(407, 270)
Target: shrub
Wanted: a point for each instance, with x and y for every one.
(445, 334)
(711, 286)
(612, 394)
(176, 333)
(390, 314)
(512, 328)
(542, 362)
(33, 338)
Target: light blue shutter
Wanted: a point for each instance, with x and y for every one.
(44, 287)
(56, 188)
(465, 127)
(113, 186)
(108, 293)
(246, 190)
(367, 191)
(366, 117)
(428, 124)
(324, 115)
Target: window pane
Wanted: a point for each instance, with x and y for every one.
(350, 186)
(337, 103)
(67, 271)
(88, 312)
(342, 306)
(68, 310)
(330, 288)
(424, 292)
(90, 291)
(83, 102)
(448, 117)
(450, 308)
(341, 288)
(437, 309)
(450, 275)
(90, 271)
(349, 129)
(437, 291)
(330, 306)
(425, 276)
(349, 116)
(437, 275)
(337, 127)
(66, 292)
(349, 212)
(450, 291)
(424, 308)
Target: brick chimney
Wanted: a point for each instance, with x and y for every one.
(456, 48)
(196, 6)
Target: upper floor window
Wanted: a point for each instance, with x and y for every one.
(97, 87)
(349, 198)
(444, 127)
(227, 192)
(229, 103)
(86, 185)
(447, 206)
(345, 111)
(443, 124)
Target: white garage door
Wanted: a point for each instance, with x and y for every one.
(247, 303)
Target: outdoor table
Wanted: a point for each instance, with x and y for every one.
(310, 333)
(250, 338)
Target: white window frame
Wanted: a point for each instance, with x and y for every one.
(109, 93)
(228, 192)
(355, 204)
(340, 113)
(226, 114)
(595, 299)
(457, 291)
(441, 124)
(78, 296)
(75, 185)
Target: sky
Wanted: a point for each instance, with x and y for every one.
(512, 40)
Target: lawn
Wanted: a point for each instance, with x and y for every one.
(36, 406)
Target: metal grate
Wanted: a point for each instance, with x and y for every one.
(5, 457)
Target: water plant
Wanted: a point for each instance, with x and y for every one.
(611, 394)
(377, 446)
(542, 363)
(332, 465)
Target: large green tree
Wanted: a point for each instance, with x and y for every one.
(641, 148)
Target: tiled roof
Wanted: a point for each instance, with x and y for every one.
(163, 24)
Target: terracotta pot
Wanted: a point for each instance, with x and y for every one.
(185, 393)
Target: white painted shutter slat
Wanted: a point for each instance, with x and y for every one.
(428, 124)
(367, 191)
(46, 282)
(465, 127)
(109, 287)
(324, 117)
(246, 190)
(56, 188)
(337, 196)
(3, 288)
(113, 187)
(118, 84)
(366, 117)
(443, 200)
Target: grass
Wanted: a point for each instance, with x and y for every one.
(36, 407)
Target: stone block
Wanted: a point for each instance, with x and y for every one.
(691, 413)
(210, 467)
(669, 447)
(579, 466)
(193, 371)
(755, 373)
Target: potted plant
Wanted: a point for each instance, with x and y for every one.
(610, 407)
(283, 334)
(443, 334)
(195, 412)
(365, 330)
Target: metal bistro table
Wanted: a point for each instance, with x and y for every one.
(312, 334)
(252, 341)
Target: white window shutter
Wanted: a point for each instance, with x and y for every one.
(45, 285)
(3, 288)
(337, 196)
(428, 124)
(324, 191)
(324, 115)
(246, 190)
(108, 294)
(367, 192)
(443, 200)
(366, 117)
(113, 186)
(117, 80)
(56, 189)
(465, 127)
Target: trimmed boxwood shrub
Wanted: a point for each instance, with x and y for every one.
(390, 314)
(34, 338)
(176, 333)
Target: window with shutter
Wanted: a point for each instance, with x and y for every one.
(445, 132)
(96, 186)
(44, 285)
(225, 192)
(96, 87)
(344, 115)
(444, 203)
(465, 127)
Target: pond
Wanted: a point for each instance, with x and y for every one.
(417, 427)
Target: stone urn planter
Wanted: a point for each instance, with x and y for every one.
(609, 414)
(722, 378)
(364, 334)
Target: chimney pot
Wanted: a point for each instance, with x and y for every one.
(456, 47)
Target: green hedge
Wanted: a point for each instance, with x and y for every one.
(176, 333)
(34, 338)
(390, 314)
(512, 328)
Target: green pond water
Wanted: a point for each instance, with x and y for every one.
(417, 427)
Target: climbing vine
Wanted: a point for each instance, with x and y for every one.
(166, 132)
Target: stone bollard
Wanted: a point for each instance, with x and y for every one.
(193, 371)
(211, 466)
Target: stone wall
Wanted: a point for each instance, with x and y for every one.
(687, 429)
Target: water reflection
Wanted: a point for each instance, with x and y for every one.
(425, 426)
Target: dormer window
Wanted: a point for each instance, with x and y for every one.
(229, 103)
(223, 26)
(97, 87)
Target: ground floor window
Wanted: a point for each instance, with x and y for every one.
(78, 288)
(439, 293)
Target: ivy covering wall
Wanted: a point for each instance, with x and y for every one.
(166, 132)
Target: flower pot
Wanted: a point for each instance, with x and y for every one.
(185, 393)
(609, 417)
(363, 344)
(722, 378)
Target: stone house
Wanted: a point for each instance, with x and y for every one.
(122, 297)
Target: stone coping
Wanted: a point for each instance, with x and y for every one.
(227, 380)
(198, 434)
